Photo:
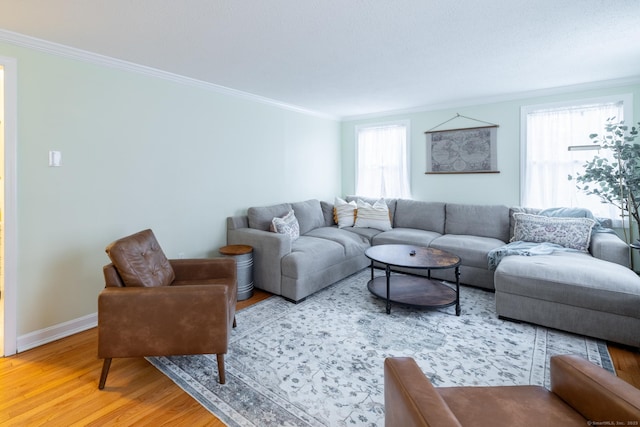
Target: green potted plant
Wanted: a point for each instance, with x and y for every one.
(614, 174)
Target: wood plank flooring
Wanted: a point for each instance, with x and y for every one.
(57, 385)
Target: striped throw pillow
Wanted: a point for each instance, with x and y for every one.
(344, 214)
(373, 216)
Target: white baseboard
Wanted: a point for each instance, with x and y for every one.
(56, 332)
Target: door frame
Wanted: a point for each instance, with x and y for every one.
(10, 213)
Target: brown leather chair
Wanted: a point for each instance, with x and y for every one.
(581, 394)
(152, 306)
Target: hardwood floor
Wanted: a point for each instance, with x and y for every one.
(57, 385)
(627, 363)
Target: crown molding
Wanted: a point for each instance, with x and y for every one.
(107, 61)
(603, 84)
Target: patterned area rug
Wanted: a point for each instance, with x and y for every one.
(320, 362)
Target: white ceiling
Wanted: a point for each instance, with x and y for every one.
(347, 58)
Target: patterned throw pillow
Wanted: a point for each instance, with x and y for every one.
(373, 216)
(287, 225)
(574, 233)
(344, 214)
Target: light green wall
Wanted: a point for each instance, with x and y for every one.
(143, 152)
(501, 188)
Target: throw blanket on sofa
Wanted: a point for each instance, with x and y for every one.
(523, 248)
(531, 249)
(577, 213)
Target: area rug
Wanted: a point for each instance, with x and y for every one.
(320, 362)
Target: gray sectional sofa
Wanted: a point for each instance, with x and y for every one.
(592, 293)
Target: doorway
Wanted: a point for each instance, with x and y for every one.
(8, 206)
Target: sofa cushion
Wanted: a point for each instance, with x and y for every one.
(309, 214)
(571, 278)
(573, 233)
(373, 216)
(310, 254)
(353, 243)
(478, 220)
(472, 250)
(140, 261)
(420, 215)
(327, 213)
(287, 225)
(368, 233)
(405, 236)
(260, 217)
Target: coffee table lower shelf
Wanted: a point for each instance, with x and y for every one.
(415, 291)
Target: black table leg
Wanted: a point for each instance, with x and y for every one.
(388, 271)
(457, 272)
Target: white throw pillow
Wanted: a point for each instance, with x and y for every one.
(287, 225)
(344, 214)
(373, 216)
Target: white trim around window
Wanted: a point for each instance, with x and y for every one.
(392, 176)
(566, 139)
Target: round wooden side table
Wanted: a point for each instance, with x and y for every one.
(243, 255)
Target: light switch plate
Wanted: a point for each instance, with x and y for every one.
(55, 157)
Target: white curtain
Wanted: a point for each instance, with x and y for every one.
(382, 161)
(548, 162)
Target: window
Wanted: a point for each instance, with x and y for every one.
(382, 160)
(556, 144)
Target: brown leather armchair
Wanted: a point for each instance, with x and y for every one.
(152, 306)
(581, 394)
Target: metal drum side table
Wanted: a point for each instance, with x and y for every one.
(243, 255)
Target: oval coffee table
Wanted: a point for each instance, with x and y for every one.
(414, 290)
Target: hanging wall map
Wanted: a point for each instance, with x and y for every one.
(471, 150)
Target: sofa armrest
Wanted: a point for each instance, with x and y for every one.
(268, 250)
(165, 320)
(238, 221)
(410, 399)
(204, 269)
(610, 247)
(595, 393)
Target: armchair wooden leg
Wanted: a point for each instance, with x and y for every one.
(234, 322)
(220, 358)
(105, 371)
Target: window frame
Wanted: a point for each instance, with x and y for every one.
(627, 106)
(403, 122)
